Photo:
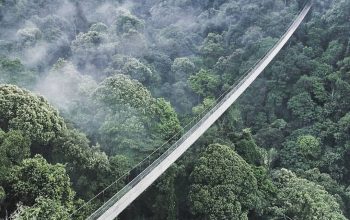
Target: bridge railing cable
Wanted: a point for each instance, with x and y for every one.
(193, 125)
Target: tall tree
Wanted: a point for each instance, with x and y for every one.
(302, 199)
(223, 185)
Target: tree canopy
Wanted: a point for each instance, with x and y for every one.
(89, 89)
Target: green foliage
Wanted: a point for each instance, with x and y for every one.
(335, 189)
(73, 147)
(120, 90)
(344, 123)
(248, 150)
(34, 178)
(223, 185)
(138, 71)
(309, 146)
(314, 86)
(124, 124)
(28, 36)
(204, 83)
(14, 147)
(91, 47)
(2, 193)
(14, 72)
(271, 136)
(119, 165)
(302, 153)
(88, 40)
(99, 27)
(126, 22)
(301, 199)
(182, 68)
(207, 104)
(129, 120)
(166, 122)
(165, 204)
(89, 168)
(333, 53)
(32, 115)
(44, 208)
(213, 48)
(175, 55)
(304, 108)
(266, 193)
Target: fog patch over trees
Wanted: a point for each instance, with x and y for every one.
(90, 88)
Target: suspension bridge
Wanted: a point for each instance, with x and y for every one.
(122, 199)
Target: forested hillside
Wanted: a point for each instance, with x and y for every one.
(89, 88)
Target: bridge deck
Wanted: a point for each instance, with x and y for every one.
(113, 207)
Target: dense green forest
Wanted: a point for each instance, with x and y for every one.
(90, 88)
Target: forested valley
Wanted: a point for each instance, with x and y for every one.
(89, 88)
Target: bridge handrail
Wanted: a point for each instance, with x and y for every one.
(155, 163)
